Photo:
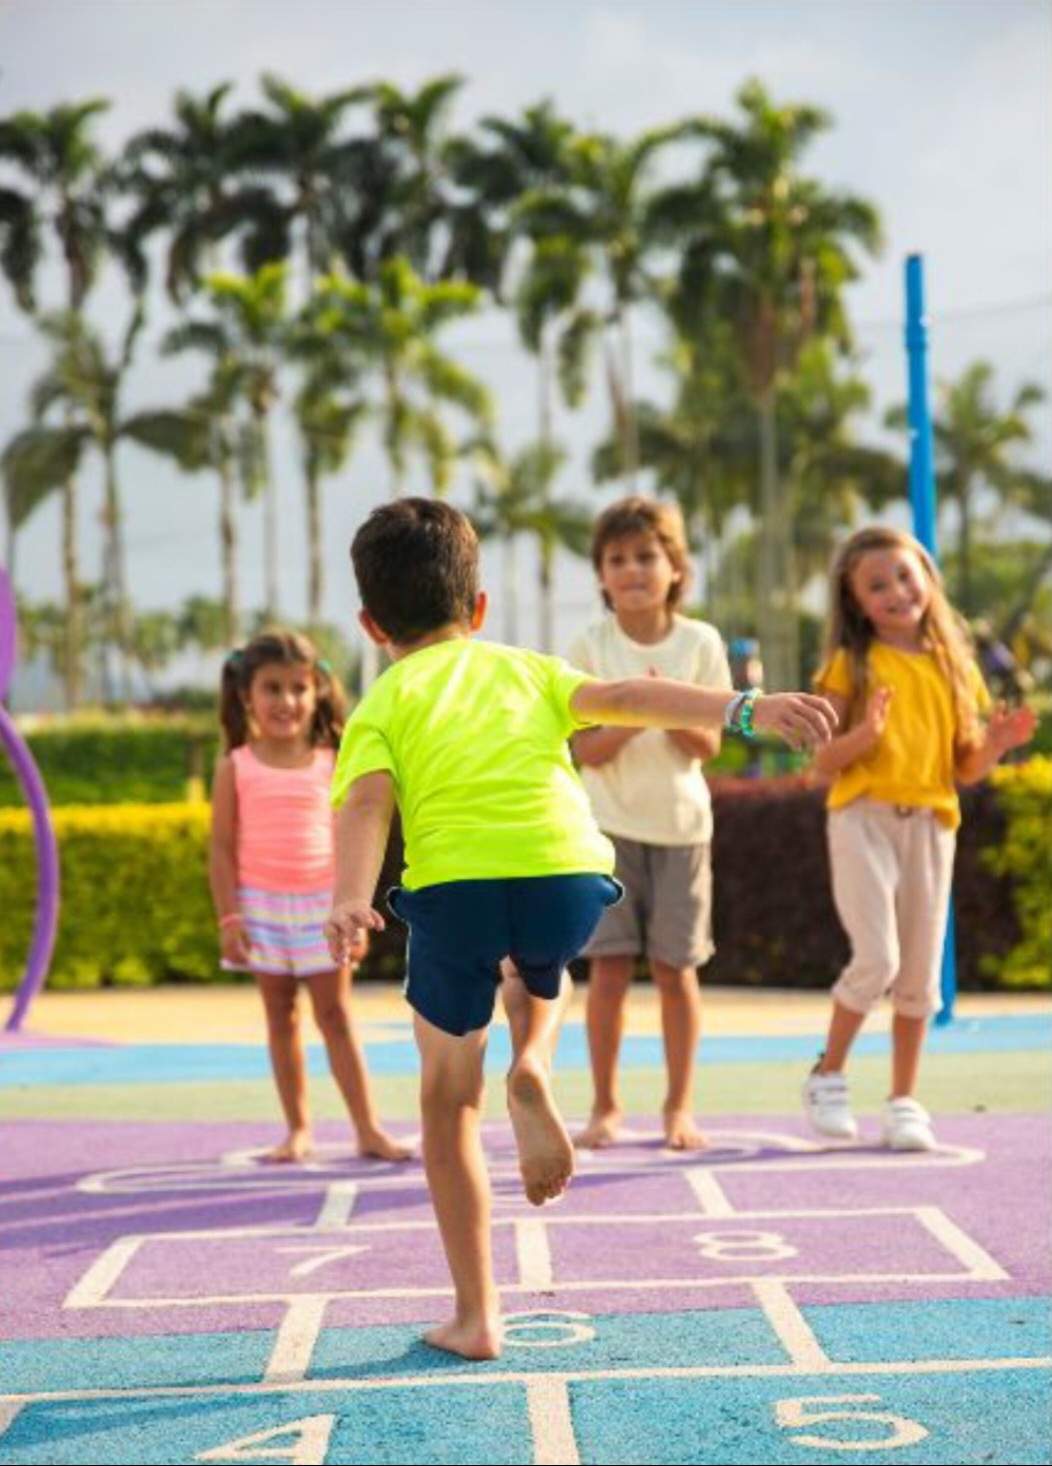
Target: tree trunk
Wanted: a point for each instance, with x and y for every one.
(630, 433)
(116, 577)
(228, 551)
(545, 579)
(776, 611)
(314, 557)
(270, 524)
(73, 635)
(511, 589)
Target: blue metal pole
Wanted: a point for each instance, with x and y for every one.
(922, 502)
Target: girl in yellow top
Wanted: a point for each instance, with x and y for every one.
(900, 672)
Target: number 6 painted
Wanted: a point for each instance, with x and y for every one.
(790, 1414)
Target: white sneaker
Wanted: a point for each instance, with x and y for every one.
(827, 1106)
(907, 1126)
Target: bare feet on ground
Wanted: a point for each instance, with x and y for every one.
(603, 1128)
(472, 1340)
(378, 1145)
(296, 1146)
(681, 1133)
(545, 1151)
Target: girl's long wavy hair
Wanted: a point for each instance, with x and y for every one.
(943, 632)
(287, 648)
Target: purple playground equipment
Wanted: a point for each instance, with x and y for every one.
(36, 797)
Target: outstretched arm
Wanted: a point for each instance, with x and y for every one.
(362, 827)
(658, 702)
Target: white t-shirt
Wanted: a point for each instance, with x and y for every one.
(652, 791)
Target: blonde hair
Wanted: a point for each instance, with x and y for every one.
(943, 632)
(637, 515)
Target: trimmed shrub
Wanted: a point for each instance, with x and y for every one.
(1024, 859)
(108, 762)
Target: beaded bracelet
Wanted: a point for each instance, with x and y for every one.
(745, 717)
(730, 712)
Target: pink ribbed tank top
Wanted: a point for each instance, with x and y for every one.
(284, 823)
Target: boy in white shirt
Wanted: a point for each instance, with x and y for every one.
(649, 796)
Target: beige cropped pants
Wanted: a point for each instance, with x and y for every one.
(892, 869)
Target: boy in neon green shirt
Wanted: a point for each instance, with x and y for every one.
(506, 872)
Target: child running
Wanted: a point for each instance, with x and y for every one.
(271, 871)
(900, 673)
(504, 862)
(649, 796)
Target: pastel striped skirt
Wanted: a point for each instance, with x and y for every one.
(286, 931)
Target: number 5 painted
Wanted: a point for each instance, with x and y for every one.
(791, 1414)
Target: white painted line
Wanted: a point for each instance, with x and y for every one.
(793, 1330)
(294, 1346)
(712, 1198)
(551, 1423)
(518, 1377)
(100, 1277)
(976, 1259)
(533, 1254)
(9, 1409)
(340, 1197)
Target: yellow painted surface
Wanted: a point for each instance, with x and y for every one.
(234, 1014)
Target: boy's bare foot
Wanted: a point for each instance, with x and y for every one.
(296, 1147)
(382, 1147)
(477, 1340)
(681, 1133)
(545, 1151)
(603, 1128)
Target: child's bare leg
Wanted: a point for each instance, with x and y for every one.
(681, 1028)
(285, 1042)
(450, 1101)
(330, 994)
(608, 983)
(545, 1151)
(907, 1040)
(843, 1030)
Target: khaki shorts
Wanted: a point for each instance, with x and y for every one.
(666, 911)
(892, 868)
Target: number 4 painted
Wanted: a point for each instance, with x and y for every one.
(308, 1445)
(793, 1413)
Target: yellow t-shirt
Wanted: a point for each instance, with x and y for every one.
(913, 763)
(474, 736)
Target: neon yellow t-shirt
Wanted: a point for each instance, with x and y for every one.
(474, 736)
(913, 763)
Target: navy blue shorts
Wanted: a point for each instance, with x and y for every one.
(460, 930)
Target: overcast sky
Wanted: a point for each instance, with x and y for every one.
(942, 118)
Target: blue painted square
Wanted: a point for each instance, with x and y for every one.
(968, 1417)
(974, 1328)
(28, 1366)
(546, 1341)
(374, 1427)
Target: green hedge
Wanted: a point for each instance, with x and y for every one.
(124, 762)
(136, 906)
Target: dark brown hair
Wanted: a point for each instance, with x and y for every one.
(288, 649)
(636, 515)
(416, 562)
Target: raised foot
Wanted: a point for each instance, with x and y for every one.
(545, 1151)
(681, 1133)
(380, 1146)
(480, 1340)
(297, 1146)
(603, 1128)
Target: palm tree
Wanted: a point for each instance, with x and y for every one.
(248, 330)
(771, 251)
(183, 178)
(389, 329)
(603, 208)
(513, 498)
(975, 447)
(85, 383)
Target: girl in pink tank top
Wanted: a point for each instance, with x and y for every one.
(271, 871)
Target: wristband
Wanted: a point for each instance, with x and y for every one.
(230, 918)
(745, 716)
(730, 712)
